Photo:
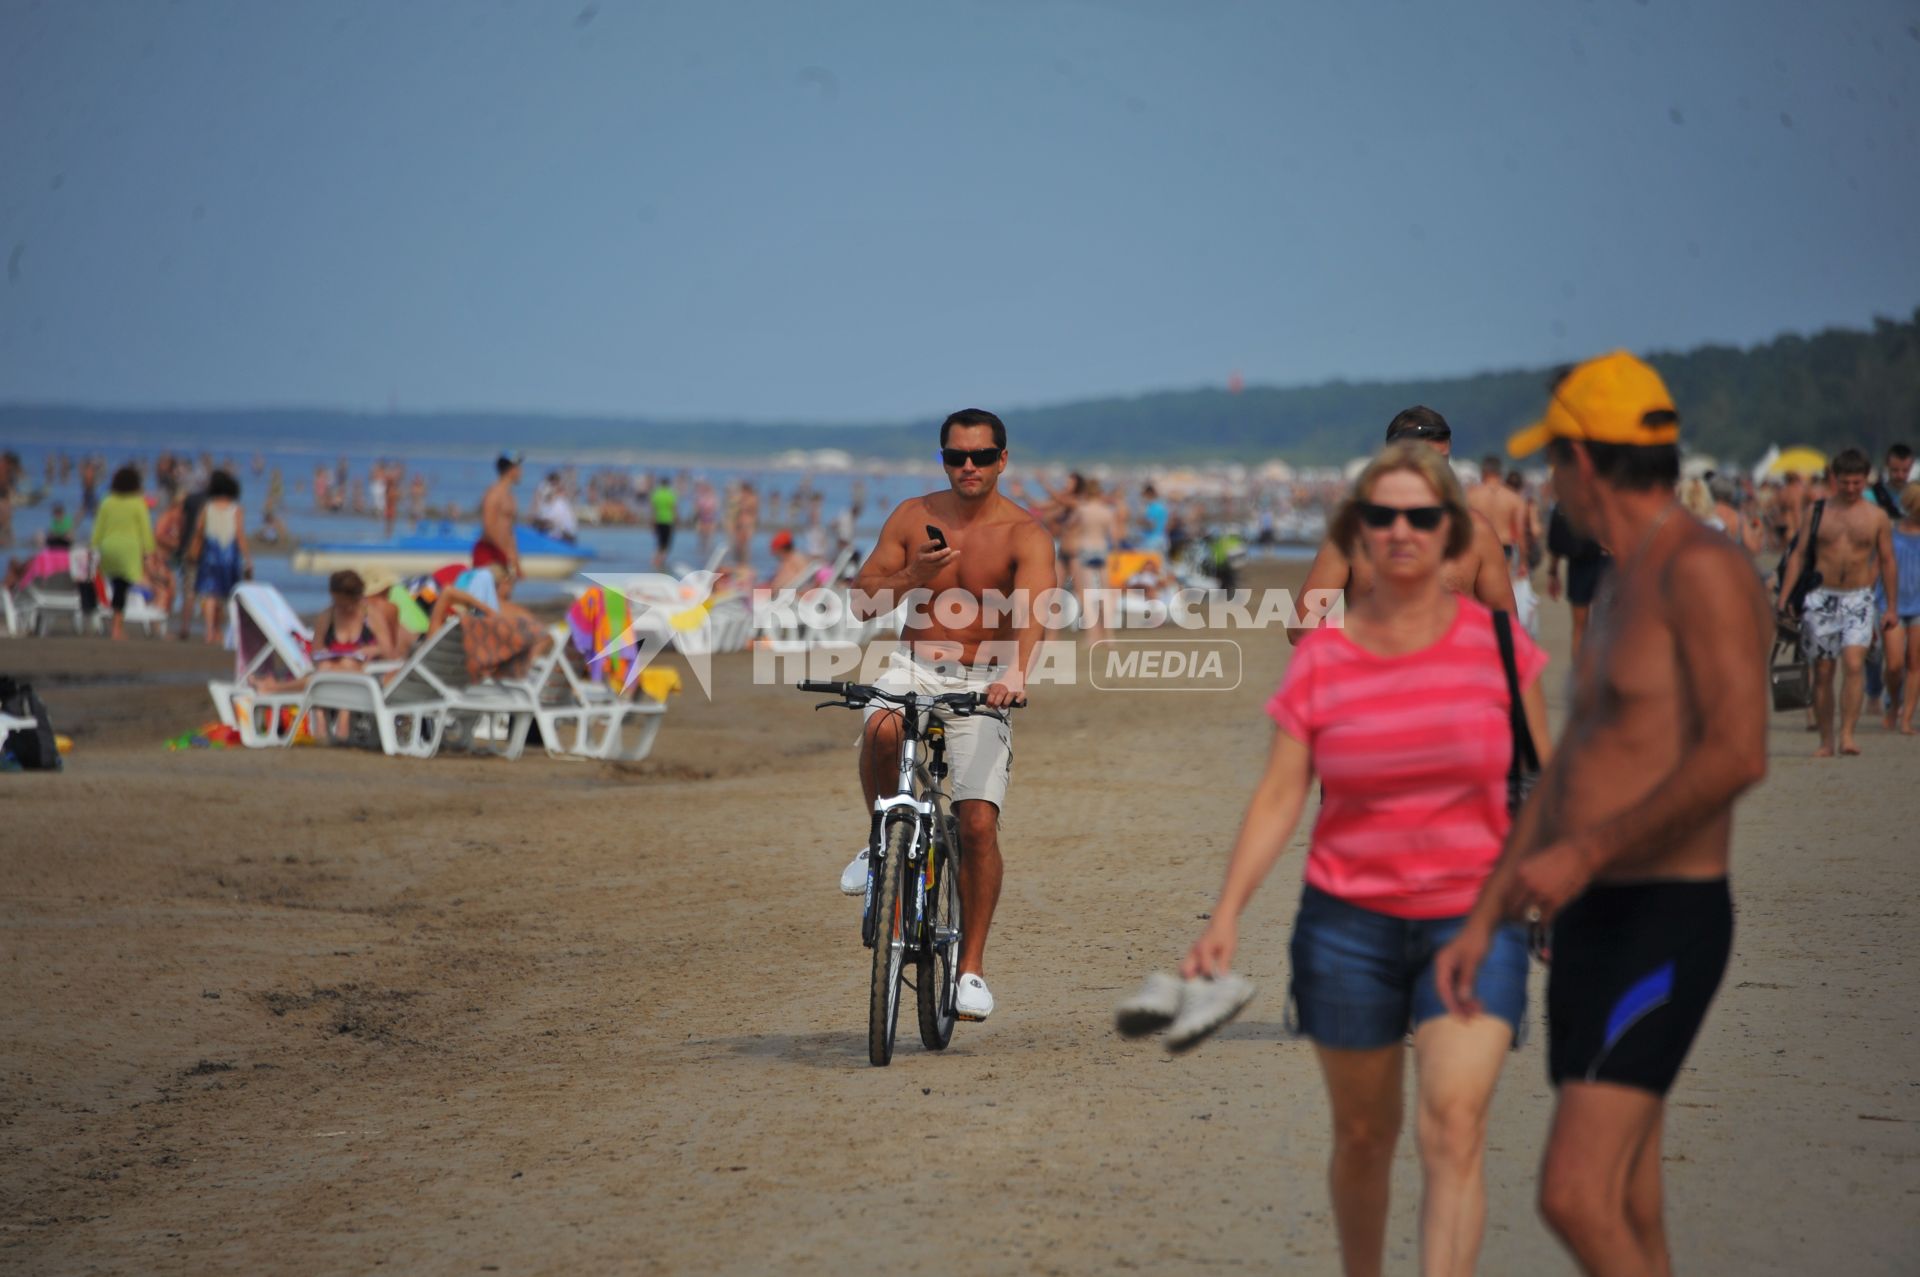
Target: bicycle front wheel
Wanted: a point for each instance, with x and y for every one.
(889, 942)
(936, 983)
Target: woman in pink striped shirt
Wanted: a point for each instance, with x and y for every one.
(1403, 715)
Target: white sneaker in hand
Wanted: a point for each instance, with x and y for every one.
(972, 1002)
(853, 879)
(1205, 1005)
(1153, 1008)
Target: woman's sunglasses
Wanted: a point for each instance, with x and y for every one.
(1421, 518)
(954, 458)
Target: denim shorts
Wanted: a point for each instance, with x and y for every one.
(1363, 979)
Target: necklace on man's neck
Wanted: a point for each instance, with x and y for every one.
(1600, 616)
(1646, 538)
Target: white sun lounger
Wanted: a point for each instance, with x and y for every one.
(429, 698)
(139, 611)
(52, 597)
(269, 641)
(48, 598)
(409, 713)
(582, 719)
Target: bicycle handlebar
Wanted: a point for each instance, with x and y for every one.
(858, 694)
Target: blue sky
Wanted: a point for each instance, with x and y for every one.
(876, 211)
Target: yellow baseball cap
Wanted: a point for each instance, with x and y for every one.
(1613, 399)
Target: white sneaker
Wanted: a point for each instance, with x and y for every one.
(1151, 1009)
(1205, 1005)
(853, 879)
(972, 1002)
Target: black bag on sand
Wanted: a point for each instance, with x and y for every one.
(1787, 670)
(1524, 772)
(32, 747)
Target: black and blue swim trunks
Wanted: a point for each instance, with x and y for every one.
(1634, 968)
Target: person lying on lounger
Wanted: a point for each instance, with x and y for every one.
(501, 638)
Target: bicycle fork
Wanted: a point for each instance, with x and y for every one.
(918, 847)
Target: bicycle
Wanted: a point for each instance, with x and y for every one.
(913, 839)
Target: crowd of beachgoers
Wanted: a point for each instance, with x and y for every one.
(766, 528)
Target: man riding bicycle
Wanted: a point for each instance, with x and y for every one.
(987, 572)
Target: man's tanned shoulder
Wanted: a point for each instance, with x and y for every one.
(1708, 573)
(1485, 536)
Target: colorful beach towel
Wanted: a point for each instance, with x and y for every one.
(594, 621)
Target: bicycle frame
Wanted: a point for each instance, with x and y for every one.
(930, 810)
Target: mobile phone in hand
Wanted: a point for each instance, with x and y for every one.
(936, 535)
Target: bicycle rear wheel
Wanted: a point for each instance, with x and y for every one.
(936, 983)
(889, 942)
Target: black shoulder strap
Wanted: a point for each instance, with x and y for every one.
(1813, 528)
(1524, 752)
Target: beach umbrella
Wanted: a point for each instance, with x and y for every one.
(1797, 460)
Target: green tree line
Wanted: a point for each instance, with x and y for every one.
(1831, 389)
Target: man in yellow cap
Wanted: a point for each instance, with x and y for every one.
(1623, 848)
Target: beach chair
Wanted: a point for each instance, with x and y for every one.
(580, 718)
(729, 624)
(140, 611)
(429, 699)
(408, 711)
(49, 598)
(270, 641)
(9, 615)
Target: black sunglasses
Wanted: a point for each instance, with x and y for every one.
(1421, 518)
(954, 458)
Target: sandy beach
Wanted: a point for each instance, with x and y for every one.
(323, 1011)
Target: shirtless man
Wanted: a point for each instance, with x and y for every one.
(1501, 506)
(1623, 846)
(498, 510)
(991, 545)
(1853, 552)
(1481, 571)
(1091, 534)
